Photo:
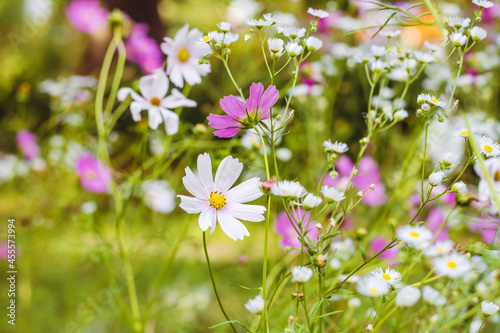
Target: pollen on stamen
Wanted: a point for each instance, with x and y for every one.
(386, 277)
(488, 148)
(217, 200)
(414, 234)
(155, 101)
(183, 55)
(452, 264)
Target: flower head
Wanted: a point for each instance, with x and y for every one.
(313, 43)
(332, 194)
(158, 196)
(275, 45)
(414, 235)
(255, 305)
(301, 274)
(87, 15)
(183, 53)
(478, 34)
(458, 39)
(407, 296)
(372, 287)
(422, 98)
(459, 187)
(288, 189)
(294, 32)
(318, 13)
(285, 228)
(153, 88)
(310, 201)
(452, 265)
(400, 115)
(390, 33)
(390, 276)
(94, 175)
(464, 132)
(458, 23)
(217, 201)
(436, 178)
(224, 26)
(259, 24)
(483, 3)
(487, 146)
(432, 296)
(439, 249)
(244, 114)
(294, 49)
(336, 147)
(489, 308)
(26, 142)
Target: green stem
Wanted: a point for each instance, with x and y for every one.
(213, 281)
(122, 55)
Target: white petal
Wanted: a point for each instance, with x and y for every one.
(155, 118)
(176, 99)
(205, 171)
(194, 186)
(207, 219)
(171, 121)
(167, 46)
(135, 110)
(247, 191)
(175, 75)
(190, 74)
(231, 226)
(192, 205)
(154, 85)
(228, 172)
(124, 92)
(252, 213)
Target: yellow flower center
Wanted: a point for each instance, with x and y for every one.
(183, 55)
(206, 38)
(386, 277)
(434, 100)
(373, 290)
(452, 264)
(414, 234)
(497, 176)
(155, 101)
(217, 200)
(488, 149)
(464, 133)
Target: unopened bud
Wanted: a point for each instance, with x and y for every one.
(267, 185)
(292, 113)
(248, 37)
(369, 328)
(333, 223)
(116, 17)
(319, 226)
(464, 199)
(288, 248)
(291, 319)
(278, 117)
(364, 141)
(359, 194)
(454, 293)
(475, 300)
(372, 187)
(419, 112)
(200, 129)
(297, 295)
(201, 61)
(361, 232)
(320, 261)
(355, 172)
(425, 107)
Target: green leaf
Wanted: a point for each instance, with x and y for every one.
(363, 251)
(329, 313)
(244, 287)
(230, 322)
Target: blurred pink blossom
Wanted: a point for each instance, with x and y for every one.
(26, 142)
(87, 15)
(142, 49)
(94, 175)
(378, 243)
(290, 236)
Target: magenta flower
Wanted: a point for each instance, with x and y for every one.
(434, 221)
(378, 243)
(142, 49)
(287, 231)
(87, 15)
(26, 142)
(94, 175)
(4, 251)
(244, 114)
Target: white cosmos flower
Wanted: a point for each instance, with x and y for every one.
(458, 39)
(183, 53)
(407, 296)
(255, 305)
(487, 146)
(453, 265)
(288, 189)
(153, 88)
(313, 43)
(372, 287)
(432, 296)
(489, 308)
(301, 274)
(294, 32)
(439, 249)
(294, 49)
(478, 34)
(414, 235)
(310, 201)
(390, 276)
(483, 3)
(332, 194)
(436, 178)
(337, 147)
(217, 201)
(459, 187)
(158, 196)
(318, 13)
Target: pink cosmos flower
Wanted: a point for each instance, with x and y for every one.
(86, 15)
(26, 142)
(486, 226)
(244, 114)
(378, 243)
(290, 236)
(142, 49)
(434, 221)
(94, 175)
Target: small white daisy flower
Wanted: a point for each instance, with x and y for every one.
(487, 146)
(318, 13)
(344, 250)
(273, 19)
(450, 160)
(422, 98)
(424, 57)
(489, 308)
(378, 66)
(301, 274)
(224, 26)
(337, 147)
(414, 235)
(453, 265)
(354, 303)
(464, 132)
(459, 187)
(377, 51)
(478, 34)
(294, 32)
(458, 23)
(313, 43)
(372, 287)
(275, 45)
(407, 296)
(310, 201)
(255, 305)
(391, 33)
(436, 178)
(288, 189)
(390, 276)
(458, 39)
(432, 296)
(259, 24)
(439, 249)
(332, 194)
(294, 49)
(483, 3)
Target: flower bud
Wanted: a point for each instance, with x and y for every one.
(248, 37)
(297, 295)
(441, 119)
(319, 226)
(291, 319)
(266, 185)
(360, 194)
(278, 117)
(320, 261)
(116, 17)
(361, 232)
(200, 129)
(372, 187)
(332, 222)
(425, 107)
